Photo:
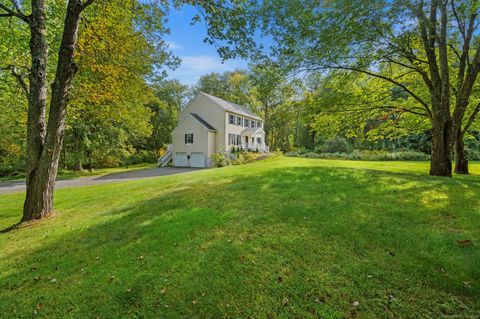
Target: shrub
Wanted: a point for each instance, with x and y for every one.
(220, 159)
(472, 154)
(334, 145)
(142, 156)
(367, 155)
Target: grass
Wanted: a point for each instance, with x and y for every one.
(281, 238)
(69, 174)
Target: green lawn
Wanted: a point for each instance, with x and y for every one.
(68, 174)
(280, 238)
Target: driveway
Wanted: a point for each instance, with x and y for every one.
(19, 186)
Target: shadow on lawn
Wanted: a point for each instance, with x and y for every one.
(237, 249)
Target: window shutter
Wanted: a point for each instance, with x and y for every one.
(192, 138)
(185, 138)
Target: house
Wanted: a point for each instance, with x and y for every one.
(209, 125)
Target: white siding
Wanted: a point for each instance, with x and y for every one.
(234, 128)
(200, 137)
(212, 114)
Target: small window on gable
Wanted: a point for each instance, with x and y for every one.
(231, 119)
(189, 138)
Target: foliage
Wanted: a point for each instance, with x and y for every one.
(220, 159)
(335, 144)
(254, 235)
(170, 95)
(232, 86)
(366, 155)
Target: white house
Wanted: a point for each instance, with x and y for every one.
(209, 125)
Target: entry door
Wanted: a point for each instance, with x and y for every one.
(246, 142)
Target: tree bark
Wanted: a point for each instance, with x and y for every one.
(37, 196)
(441, 161)
(43, 165)
(461, 163)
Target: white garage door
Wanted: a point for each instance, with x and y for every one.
(197, 160)
(181, 159)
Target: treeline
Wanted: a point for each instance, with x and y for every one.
(119, 103)
(122, 109)
(125, 120)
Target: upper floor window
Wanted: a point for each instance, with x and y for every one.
(231, 119)
(240, 120)
(259, 124)
(189, 138)
(253, 123)
(247, 123)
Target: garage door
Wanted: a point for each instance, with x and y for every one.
(197, 160)
(181, 159)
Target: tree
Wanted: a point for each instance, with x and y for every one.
(269, 81)
(44, 139)
(233, 86)
(436, 40)
(45, 134)
(109, 111)
(170, 96)
(365, 109)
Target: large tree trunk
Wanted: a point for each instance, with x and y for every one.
(461, 163)
(441, 161)
(43, 171)
(38, 202)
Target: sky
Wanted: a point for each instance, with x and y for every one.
(186, 42)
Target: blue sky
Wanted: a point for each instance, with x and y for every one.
(186, 42)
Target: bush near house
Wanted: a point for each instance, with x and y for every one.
(222, 159)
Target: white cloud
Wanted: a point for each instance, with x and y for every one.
(174, 46)
(194, 66)
(202, 63)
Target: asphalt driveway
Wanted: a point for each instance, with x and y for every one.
(19, 186)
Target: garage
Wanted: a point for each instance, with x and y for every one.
(181, 159)
(197, 159)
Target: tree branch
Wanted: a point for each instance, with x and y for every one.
(13, 13)
(18, 76)
(471, 119)
(85, 4)
(412, 94)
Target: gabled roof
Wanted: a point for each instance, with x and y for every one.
(231, 107)
(198, 118)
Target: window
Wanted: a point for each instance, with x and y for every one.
(259, 124)
(234, 139)
(231, 139)
(259, 140)
(188, 138)
(247, 123)
(231, 119)
(239, 120)
(253, 124)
